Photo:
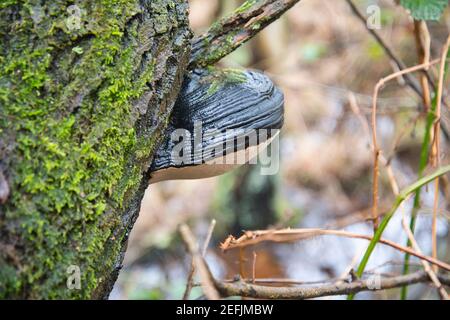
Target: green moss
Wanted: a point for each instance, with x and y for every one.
(245, 6)
(217, 77)
(219, 51)
(73, 139)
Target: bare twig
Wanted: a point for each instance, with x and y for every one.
(189, 282)
(212, 225)
(284, 281)
(213, 287)
(357, 111)
(409, 79)
(436, 145)
(230, 32)
(206, 277)
(241, 288)
(350, 269)
(425, 264)
(423, 42)
(287, 235)
(376, 148)
(241, 262)
(254, 266)
(190, 279)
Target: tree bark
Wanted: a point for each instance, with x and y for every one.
(85, 93)
(86, 90)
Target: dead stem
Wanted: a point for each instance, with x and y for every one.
(207, 280)
(254, 267)
(423, 43)
(243, 289)
(436, 147)
(250, 238)
(357, 111)
(376, 148)
(190, 279)
(425, 264)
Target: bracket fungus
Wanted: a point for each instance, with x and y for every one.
(220, 120)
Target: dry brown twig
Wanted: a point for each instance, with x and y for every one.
(214, 288)
(357, 111)
(250, 238)
(207, 280)
(285, 281)
(376, 148)
(315, 289)
(425, 264)
(436, 154)
(423, 43)
(351, 267)
(190, 279)
(254, 266)
(241, 288)
(409, 80)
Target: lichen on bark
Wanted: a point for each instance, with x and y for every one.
(86, 88)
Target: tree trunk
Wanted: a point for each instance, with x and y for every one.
(85, 92)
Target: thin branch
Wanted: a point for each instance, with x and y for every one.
(409, 79)
(350, 269)
(423, 43)
(285, 281)
(404, 194)
(213, 287)
(229, 33)
(376, 148)
(314, 289)
(436, 146)
(431, 273)
(243, 289)
(254, 266)
(212, 225)
(190, 279)
(206, 277)
(250, 238)
(189, 282)
(357, 111)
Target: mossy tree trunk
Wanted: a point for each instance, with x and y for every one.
(86, 88)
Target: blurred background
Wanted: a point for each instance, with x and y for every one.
(322, 58)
